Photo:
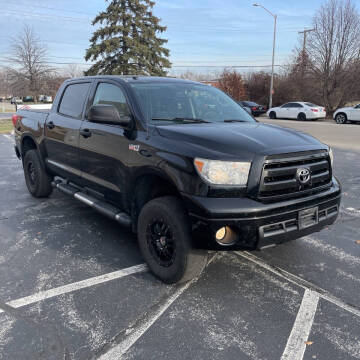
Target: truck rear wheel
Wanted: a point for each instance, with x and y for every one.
(37, 180)
(164, 236)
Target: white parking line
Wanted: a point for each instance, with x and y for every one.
(135, 333)
(300, 282)
(43, 295)
(296, 344)
(7, 136)
(353, 210)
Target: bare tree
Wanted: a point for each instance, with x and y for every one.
(190, 75)
(73, 71)
(333, 48)
(232, 83)
(4, 83)
(28, 56)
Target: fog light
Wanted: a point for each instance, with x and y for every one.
(220, 234)
(226, 236)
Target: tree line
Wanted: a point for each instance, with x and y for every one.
(325, 71)
(127, 41)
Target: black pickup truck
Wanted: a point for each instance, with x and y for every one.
(181, 163)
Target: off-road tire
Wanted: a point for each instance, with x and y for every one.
(186, 262)
(37, 180)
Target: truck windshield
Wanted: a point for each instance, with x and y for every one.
(168, 103)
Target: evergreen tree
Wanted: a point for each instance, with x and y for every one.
(126, 42)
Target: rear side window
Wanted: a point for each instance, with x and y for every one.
(250, 103)
(296, 105)
(73, 100)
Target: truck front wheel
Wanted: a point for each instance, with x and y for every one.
(164, 236)
(37, 180)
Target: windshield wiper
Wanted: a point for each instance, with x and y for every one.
(181, 120)
(230, 120)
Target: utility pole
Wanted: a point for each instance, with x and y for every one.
(303, 54)
(273, 54)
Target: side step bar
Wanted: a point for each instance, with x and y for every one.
(99, 205)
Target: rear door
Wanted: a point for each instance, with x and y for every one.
(62, 131)
(104, 148)
(295, 109)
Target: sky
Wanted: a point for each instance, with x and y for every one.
(203, 35)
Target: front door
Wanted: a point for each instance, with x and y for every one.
(355, 113)
(283, 111)
(104, 148)
(62, 131)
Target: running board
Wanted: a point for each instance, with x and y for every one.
(99, 205)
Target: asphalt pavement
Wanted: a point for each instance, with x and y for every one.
(73, 284)
(346, 136)
(5, 115)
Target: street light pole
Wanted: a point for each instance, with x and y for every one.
(273, 54)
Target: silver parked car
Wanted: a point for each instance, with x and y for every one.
(350, 113)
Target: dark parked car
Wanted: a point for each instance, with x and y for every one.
(255, 108)
(179, 162)
(28, 99)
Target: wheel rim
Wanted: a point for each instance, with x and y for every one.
(32, 173)
(302, 117)
(161, 242)
(340, 119)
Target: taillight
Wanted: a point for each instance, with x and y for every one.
(314, 110)
(14, 119)
(254, 108)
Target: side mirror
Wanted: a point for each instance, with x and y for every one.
(108, 114)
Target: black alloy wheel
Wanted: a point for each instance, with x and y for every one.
(37, 179)
(165, 241)
(161, 242)
(32, 173)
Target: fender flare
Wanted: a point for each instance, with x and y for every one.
(32, 137)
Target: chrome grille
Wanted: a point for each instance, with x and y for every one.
(279, 175)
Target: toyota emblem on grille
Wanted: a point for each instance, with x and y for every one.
(303, 176)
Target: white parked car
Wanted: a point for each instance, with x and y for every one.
(351, 113)
(297, 110)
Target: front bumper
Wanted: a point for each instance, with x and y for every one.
(256, 224)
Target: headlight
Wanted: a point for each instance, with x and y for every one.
(223, 172)
(331, 155)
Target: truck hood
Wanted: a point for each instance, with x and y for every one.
(240, 140)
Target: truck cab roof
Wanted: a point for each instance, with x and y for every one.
(135, 78)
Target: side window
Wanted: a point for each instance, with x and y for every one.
(357, 107)
(109, 94)
(296, 105)
(73, 100)
(286, 105)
